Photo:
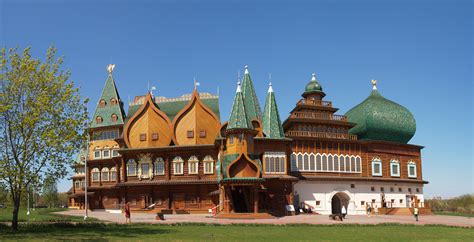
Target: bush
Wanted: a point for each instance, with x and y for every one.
(462, 204)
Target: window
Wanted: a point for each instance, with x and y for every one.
(372, 189)
(400, 189)
(95, 174)
(208, 165)
(306, 162)
(102, 103)
(411, 169)
(98, 120)
(178, 165)
(114, 118)
(300, 162)
(115, 153)
(382, 189)
(113, 101)
(394, 168)
(159, 166)
(106, 153)
(326, 163)
(358, 164)
(77, 184)
(113, 174)
(409, 189)
(417, 189)
(274, 162)
(83, 183)
(193, 165)
(142, 137)
(391, 189)
(202, 134)
(318, 162)
(294, 167)
(97, 154)
(131, 168)
(362, 203)
(105, 174)
(154, 136)
(145, 169)
(376, 167)
(318, 203)
(190, 134)
(401, 201)
(352, 185)
(106, 134)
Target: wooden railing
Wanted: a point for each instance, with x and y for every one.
(326, 116)
(314, 103)
(320, 135)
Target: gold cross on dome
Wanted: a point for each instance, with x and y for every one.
(110, 68)
(374, 82)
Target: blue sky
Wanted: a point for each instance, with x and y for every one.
(421, 53)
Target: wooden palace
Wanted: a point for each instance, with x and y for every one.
(176, 155)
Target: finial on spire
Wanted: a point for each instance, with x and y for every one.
(313, 78)
(110, 68)
(239, 89)
(246, 69)
(270, 89)
(374, 84)
(196, 83)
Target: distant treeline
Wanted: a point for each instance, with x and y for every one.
(462, 204)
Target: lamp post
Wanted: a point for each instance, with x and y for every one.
(28, 192)
(85, 169)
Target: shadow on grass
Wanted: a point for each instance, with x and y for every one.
(89, 231)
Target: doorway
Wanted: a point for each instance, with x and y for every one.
(240, 199)
(339, 200)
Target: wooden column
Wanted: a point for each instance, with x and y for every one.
(118, 175)
(123, 170)
(255, 201)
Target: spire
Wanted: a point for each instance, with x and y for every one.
(238, 116)
(250, 98)
(271, 117)
(109, 104)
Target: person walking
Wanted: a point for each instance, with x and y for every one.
(376, 210)
(415, 213)
(368, 211)
(127, 213)
(344, 212)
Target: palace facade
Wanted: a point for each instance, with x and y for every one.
(176, 155)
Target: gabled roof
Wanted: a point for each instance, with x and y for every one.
(250, 98)
(238, 116)
(271, 117)
(106, 112)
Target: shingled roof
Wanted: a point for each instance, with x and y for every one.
(108, 93)
(271, 117)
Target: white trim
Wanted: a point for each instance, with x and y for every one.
(95, 171)
(113, 169)
(272, 160)
(397, 164)
(131, 162)
(326, 162)
(377, 161)
(208, 160)
(160, 161)
(411, 164)
(99, 152)
(193, 160)
(104, 170)
(178, 161)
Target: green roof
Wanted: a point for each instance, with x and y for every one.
(106, 112)
(250, 98)
(271, 117)
(378, 118)
(173, 107)
(238, 116)
(313, 85)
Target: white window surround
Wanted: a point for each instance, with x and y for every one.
(97, 154)
(376, 162)
(95, 175)
(395, 168)
(159, 166)
(208, 164)
(274, 162)
(322, 162)
(104, 174)
(411, 165)
(106, 153)
(113, 170)
(178, 166)
(115, 152)
(131, 168)
(193, 165)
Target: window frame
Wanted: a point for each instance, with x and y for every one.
(392, 164)
(106, 149)
(113, 170)
(95, 154)
(130, 163)
(103, 171)
(377, 161)
(208, 160)
(160, 161)
(178, 161)
(274, 162)
(193, 161)
(412, 164)
(95, 171)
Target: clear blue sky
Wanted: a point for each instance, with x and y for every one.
(420, 51)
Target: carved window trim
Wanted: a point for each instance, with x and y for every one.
(395, 168)
(208, 164)
(178, 166)
(159, 166)
(377, 162)
(131, 164)
(411, 164)
(193, 165)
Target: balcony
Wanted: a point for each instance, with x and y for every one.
(320, 135)
(319, 103)
(325, 116)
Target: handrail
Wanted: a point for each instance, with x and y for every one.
(214, 211)
(320, 135)
(320, 103)
(326, 116)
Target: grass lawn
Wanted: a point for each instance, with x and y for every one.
(39, 215)
(453, 214)
(199, 232)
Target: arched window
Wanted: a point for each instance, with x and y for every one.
(114, 118)
(376, 166)
(336, 162)
(102, 103)
(342, 165)
(178, 166)
(98, 120)
(113, 102)
(294, 167)
(312, 164)
(358, 164)
(325, 162)
(300, 162)
(208, 163)
(306, 162)
(330, 163)
(348, 163)
(274, 162)
(318, 162)
(159, 166)
(95, 174)
(113, 174)
(395, 168)
(131, 168)
(353, 164)
(105, 174)
(193, 165)
(411, 169)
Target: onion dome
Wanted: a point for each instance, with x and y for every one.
(313, 85)
(378, 118)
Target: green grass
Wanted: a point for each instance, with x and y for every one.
(200, 232)
(453, 214)
(39, 215)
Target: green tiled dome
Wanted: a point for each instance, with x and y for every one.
(378, 118)
(313, 85)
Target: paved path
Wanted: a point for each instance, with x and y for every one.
(298, 219)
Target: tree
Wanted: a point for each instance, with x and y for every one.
(50, 192)
(41, 121)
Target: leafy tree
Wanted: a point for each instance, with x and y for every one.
(41, 121)
(50, 192)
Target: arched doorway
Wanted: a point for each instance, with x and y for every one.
(338, 200)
